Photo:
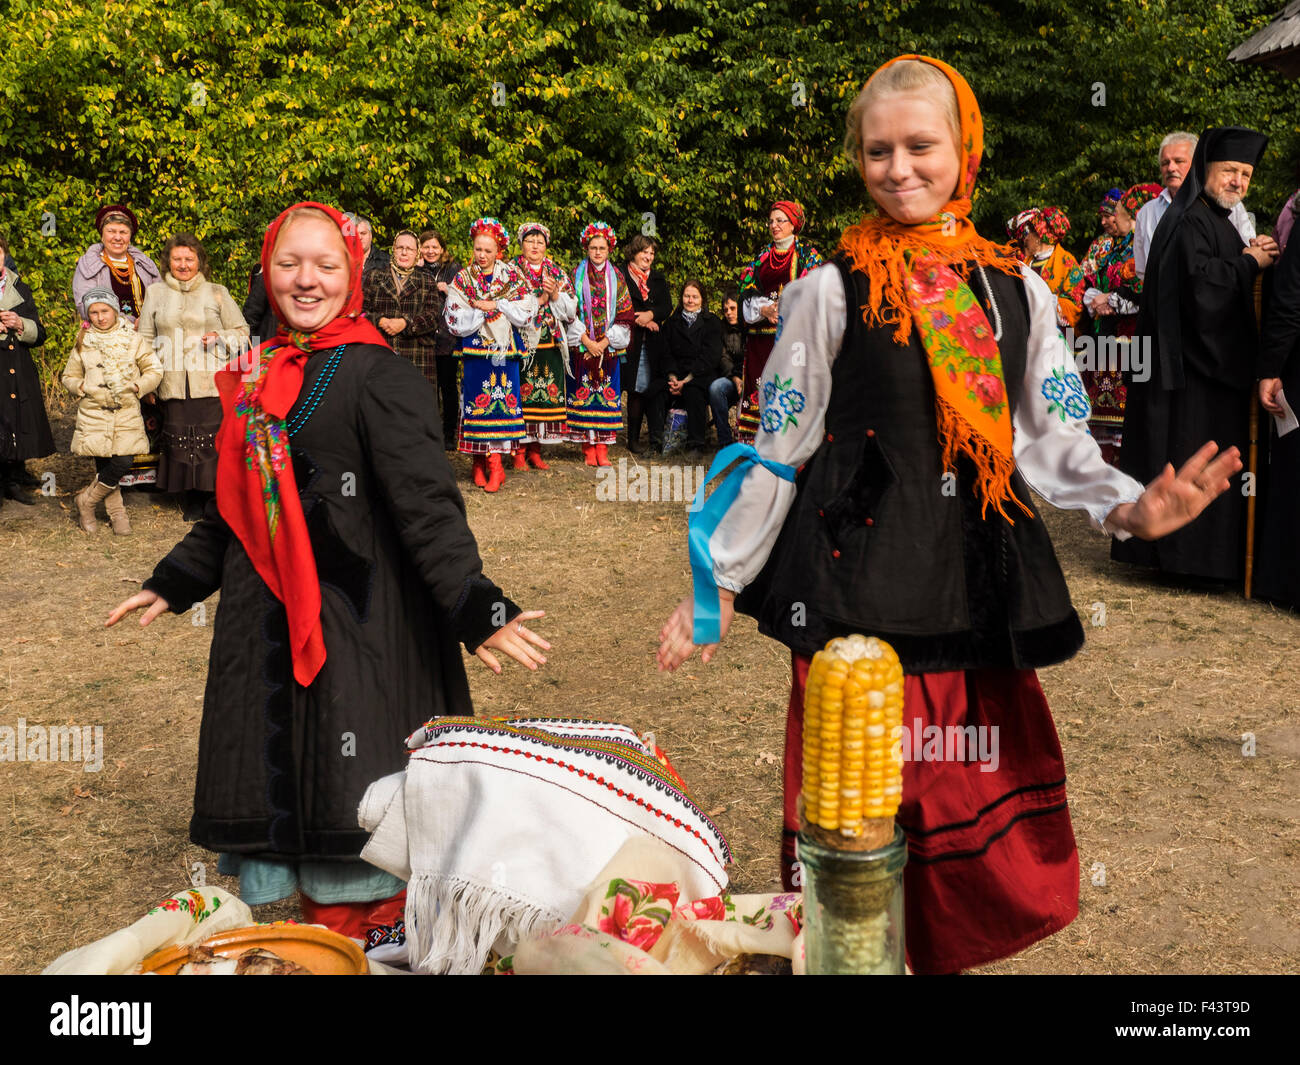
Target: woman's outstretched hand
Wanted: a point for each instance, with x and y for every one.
(155, 602)
(513, 639)
(1174, 499)
(675, 643)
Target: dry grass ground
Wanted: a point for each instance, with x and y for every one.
(1200, 844)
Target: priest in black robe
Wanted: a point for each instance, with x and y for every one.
(1198, 316)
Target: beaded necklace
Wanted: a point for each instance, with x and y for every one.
(317, 392)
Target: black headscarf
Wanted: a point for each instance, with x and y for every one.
(1160, 317)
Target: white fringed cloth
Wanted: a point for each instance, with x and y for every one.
(499, 827)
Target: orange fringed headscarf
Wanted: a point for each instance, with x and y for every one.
(912, 282)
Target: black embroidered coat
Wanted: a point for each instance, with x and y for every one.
(281, 768)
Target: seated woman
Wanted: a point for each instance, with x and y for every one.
(111, 369)
(347, 574)
(692, 356)
(870, 402)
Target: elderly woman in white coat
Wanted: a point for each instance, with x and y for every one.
(196, 329)
(110, 370)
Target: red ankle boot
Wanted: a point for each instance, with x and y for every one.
(480, 470)
(602, 455)
(589, 454)
(535, 457)
(496, 473)
(521, 458)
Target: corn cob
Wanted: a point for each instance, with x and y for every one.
(852, 743)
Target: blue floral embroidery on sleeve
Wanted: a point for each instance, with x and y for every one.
(1065, 395)
(781, 402)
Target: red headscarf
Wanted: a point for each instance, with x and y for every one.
(256, 491)
(793, 211)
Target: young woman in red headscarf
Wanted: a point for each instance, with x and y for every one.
(348, 576)
(784, 260)
(905, 416)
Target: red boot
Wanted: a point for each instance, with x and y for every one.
(602, 455)
(535, 457)
(496, 473)
(589, 454)
(480, 470)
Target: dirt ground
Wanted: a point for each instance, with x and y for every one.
(1189, 849)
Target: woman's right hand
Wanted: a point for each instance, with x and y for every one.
(675, 638)
(155, 602)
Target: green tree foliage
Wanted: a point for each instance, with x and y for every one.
(688, 115)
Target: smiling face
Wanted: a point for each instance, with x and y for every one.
(117, 238)
(598, 251)
(183, 263)
(309, 272)
(404, 251)
(1108, 225)
(779, 225)
(431, 251)
(1175, 161)
(101, 315)
(644, 259)
(534, 247)
(486, 252)
(1226, 183)
(909, 159)
(692, 298)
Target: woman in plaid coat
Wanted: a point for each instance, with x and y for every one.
(400, 299)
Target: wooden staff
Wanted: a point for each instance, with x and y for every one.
(1253, 458)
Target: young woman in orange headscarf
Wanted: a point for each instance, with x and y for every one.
(909, 403)
(348, 575)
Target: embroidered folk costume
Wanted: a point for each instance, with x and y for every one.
(491, 414)
(761, 284)
(1110, 353)
(546, 344)
(926, 348)
(348, 577)
(604, 312)
(1051, 262)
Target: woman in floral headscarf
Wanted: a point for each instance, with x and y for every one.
(890, 495)
(348, 576)
(1109, 292)
(487, 304)
(784, 260)
(546, 364)
(599, 332)
(1037, 234)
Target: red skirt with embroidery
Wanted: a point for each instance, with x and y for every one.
(991, 864)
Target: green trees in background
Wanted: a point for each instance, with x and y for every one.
(685, 116)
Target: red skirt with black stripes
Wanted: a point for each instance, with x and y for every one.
(991, 864)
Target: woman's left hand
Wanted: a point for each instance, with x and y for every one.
(1174, 499)
(10, 320)
(208, 339)
(514, 638)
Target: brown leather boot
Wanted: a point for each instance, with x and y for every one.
(116, 507)
(86, 500)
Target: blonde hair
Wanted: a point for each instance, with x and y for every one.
(911, 77)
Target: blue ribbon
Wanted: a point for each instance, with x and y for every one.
(705, 516)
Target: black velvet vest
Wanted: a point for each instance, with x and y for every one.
(880, 542)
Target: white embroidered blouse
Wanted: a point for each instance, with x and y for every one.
(1053, 449)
